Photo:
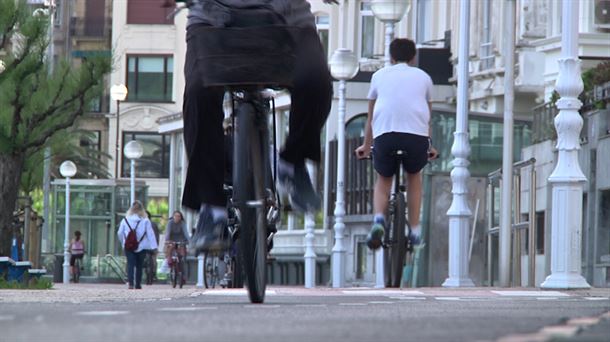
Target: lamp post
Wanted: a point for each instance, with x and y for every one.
(459, 213)
(343, 66)
(133, 150)
(67, 169)
(310, 254)
(567, 179)
(389, 12)
(118, 93)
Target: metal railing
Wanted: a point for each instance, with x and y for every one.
(518, 227)
(359, 180)
(542, 127)
(116, 267)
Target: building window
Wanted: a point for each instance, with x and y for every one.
(486, 55)
(149, 12)
(57, 13)
(150, 78)
(322, 25)
(423, 12)
(154, 163)
(367, 31)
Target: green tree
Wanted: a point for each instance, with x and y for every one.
(36, 107)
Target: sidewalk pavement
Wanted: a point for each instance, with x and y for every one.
(88, 293)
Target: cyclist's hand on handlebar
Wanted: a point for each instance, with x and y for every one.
(432, 153)
(363, 152)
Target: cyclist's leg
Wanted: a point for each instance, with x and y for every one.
(311, 97)
(72, 260)
(139, 263)
(131, 264)
(385, 165)
(203, 133)
(417, 157)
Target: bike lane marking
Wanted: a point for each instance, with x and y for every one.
(102, 313)
(190, 308)
(531, 293)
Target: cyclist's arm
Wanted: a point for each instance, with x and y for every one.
(368, 129)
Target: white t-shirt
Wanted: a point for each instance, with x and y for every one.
(402, 93)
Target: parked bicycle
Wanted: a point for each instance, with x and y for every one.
(176, 263)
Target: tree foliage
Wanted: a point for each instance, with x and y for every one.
(37, 106)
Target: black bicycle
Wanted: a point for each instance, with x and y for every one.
(396, 243)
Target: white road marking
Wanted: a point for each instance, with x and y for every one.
(7, 317)
(381, 302)
(102, 313)
(448, 298)
(233, 292)
(597, 298)
(546, 298)
(310, 305)
(408, 298)
(262, 306)
(352, 304)
(381, 293)
(189, 308)
(531, 293)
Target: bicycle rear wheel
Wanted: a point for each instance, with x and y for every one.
(209, 274)
(248, 179)
(394, 254)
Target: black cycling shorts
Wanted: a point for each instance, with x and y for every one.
(415, 146)
(73, 258)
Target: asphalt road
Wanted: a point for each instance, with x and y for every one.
(301, 315)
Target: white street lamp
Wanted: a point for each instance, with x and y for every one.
(343, 66)
(459, 213)
(118, 93)
(67, 169)
(133, 150)
(389, 12)
(567, 178)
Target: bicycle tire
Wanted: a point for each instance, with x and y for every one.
(394, 254)
(208, 274)
(250, 148)
(173, 275)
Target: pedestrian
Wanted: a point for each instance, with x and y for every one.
(398, 119)
(136, 223)
(77, 250)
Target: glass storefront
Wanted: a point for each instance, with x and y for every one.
(96, 208)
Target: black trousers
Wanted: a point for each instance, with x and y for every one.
(311, 96)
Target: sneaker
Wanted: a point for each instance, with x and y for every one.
(298, 188)
(374, 240)
(209, 234)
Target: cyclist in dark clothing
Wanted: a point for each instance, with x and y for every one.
(311, 96)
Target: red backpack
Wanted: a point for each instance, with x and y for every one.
(131, 241)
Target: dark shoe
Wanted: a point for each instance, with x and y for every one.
(138, 287)
(209, 234)
(130, 287)
(374, 240)
(415, 240)
(298, 188)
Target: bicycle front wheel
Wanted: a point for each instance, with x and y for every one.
(394, 254)
(248, 179)
(209, 275)
(173, 275)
